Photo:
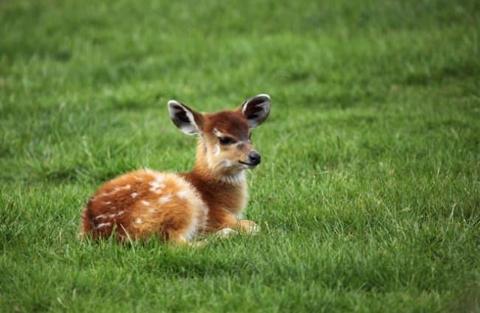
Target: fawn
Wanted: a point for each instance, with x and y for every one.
(178, 207)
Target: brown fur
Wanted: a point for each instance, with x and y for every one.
(230, 122)
(113, 203)
(224, 200)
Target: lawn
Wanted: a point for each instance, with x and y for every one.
(369, 190)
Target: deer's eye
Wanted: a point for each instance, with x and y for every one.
(226, 140)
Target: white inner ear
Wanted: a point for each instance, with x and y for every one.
(265, 106)
(190, 127)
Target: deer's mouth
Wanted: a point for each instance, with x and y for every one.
(250, 165)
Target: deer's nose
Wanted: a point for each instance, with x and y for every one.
(254, 158)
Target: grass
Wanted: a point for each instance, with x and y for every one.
(369, 193)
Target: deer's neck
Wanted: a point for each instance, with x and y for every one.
(218, 191)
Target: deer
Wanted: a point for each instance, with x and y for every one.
(179, 208)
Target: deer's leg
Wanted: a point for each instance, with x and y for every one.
(224, 220)
(248, 227)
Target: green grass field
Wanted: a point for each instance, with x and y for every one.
(369, 193)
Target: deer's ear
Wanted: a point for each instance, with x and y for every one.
(256, 109)
(186, 119)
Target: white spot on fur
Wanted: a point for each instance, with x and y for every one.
(145, 202)
(138, 178)
(114, 190)
(152, 210)
(157, 184)
(157, 191)
(164, 199)
(101, 216)
(114, 215)
(101, 225)
(159, 178)
(183, 194)
(108, 202)
(138, 220)
(134, 195)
